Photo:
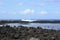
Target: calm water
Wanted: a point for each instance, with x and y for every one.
(43, 25)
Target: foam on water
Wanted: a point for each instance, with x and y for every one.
(43, 25)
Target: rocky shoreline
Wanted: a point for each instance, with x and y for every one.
(28, 33)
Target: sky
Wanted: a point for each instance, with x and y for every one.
(29, 9)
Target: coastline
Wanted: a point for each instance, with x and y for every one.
(28, 33)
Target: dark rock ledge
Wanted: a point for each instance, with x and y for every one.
(28, 33)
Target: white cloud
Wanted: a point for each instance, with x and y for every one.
(43, 12)
(20, 4)
(28, 11)
(41, 4)
(37, 4)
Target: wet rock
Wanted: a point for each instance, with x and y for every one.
(32, 38)
(25, 33)
(16, 36)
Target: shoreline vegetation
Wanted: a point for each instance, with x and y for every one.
(28, 33)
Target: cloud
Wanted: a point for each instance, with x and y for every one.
(43, 12)
(20, 4)
(37, 3)
(28, 11)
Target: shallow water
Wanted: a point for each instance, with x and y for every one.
(43, 25)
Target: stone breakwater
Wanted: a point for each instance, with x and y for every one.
(28, 33)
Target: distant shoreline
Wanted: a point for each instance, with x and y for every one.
(29, 21)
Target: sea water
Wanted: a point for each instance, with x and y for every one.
(55, 26)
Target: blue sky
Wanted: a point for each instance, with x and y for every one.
(29, 9)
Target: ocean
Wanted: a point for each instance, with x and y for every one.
(55, 26)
